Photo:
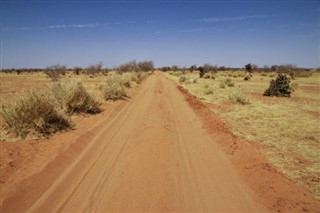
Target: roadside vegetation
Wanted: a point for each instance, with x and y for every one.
(67, 92)
(275, 107)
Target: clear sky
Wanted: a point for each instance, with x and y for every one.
(37, 34)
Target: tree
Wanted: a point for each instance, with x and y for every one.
(77, 70)
(202, 72)
(248, 68)
(174, 67)
(55, 71)
(145, 66)
(193, 68)
(94, 69)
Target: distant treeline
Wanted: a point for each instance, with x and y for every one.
(145, 66)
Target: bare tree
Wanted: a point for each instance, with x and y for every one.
(94, 69)
(55, 71)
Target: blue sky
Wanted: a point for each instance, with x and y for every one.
(37, 34)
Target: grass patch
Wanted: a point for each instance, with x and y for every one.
(239, 98)
(288, 129)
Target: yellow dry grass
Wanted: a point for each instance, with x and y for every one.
(288, 128)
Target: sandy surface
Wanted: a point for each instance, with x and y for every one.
(160, 150)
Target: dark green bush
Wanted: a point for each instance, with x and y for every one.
(279, 87)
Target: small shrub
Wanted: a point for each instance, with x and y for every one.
(247, 78)
(178, 73)
(206, 86)
(77, 70)
(112, 88)
(279, 87)
(208, 91)
(79, 100)
(222, 85)
(127, 78)
(195, 80)
(229, 82)
(239, 98)
(73, 97)
(206, 76)
(212, 77)
(264, 74)
(55, 71)
(33, 113)
(182, 79)
(94, 69)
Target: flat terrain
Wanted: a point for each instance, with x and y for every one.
(287, 129)
(159, 150)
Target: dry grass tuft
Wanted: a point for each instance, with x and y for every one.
(34, 113)
(112, 88)
(239, 98)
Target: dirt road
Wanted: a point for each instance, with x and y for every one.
(153, 155)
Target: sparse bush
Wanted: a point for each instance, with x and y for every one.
(34, 113)
(182, 79)
(222, 85)
(94, 69)
(79, 100)
(247, 78)
(112, 88)
(73, 97)
(206, 76)
(178, 73)
(145, 66)
(229, 82)
(239, 98)
(208, 91)
(264, 74)
(279, 87)
(195, 80)
(127, 78)
(77, 70)
(130, 66)
(212, 76)
(55, 71)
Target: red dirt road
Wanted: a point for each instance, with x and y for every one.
(154, 155)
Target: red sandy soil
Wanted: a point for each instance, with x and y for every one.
(160, 150)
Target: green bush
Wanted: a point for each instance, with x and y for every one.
(279, 87)
(34, 113)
